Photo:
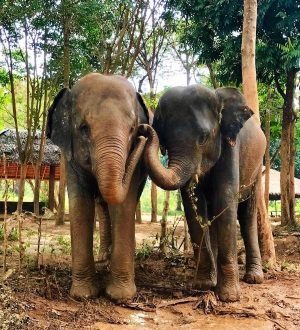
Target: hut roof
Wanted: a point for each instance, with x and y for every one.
(274, 190)
(8, 146)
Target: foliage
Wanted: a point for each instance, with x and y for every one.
(145, 250)
(64, 244)
(151, 101)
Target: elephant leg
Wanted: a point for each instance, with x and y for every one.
(225, 223)
(82, 213)
(121, 284)
(247, 215)
(104, 228)
(206, 275)
(224, 208)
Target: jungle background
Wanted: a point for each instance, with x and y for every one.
(156, 44)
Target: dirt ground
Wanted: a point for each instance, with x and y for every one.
(38, 299)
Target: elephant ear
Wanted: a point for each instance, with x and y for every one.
(58, 128)
(145, 116)
(233, 114)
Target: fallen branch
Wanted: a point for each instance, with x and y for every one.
(177, 301)
(292, 297)
(277, 323)
(146, 307)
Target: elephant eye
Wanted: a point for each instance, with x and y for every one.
(84, 130)
(202, 138)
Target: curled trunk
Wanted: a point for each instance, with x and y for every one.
(179, 170)
(113, 169)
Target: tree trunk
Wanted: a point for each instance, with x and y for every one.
(248, 56)
(164, 218)
(212, 76)
(265, 236)
(66, 63)
(23, 170)
(153, 202)
(138, 213)
(51, 187)
(178, 204)
(287, 154)
(59, 220)
(37, 185)
(186, 242)
(267, 160)
(5, 195)
(250, 91)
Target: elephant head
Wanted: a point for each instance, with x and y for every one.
(192, 123)
(95, 124)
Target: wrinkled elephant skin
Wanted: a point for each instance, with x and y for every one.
(211, 135)
(96, 126)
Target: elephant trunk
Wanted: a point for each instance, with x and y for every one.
(179, 170)
(113, 167)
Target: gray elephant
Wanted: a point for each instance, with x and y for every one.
(96, 126)
(211, 135)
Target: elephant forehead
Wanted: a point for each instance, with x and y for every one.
(92, 102)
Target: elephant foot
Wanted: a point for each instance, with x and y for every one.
(204, 284)
(84, 290)
(206, 279)
(120, 292)
(228, 293)
(228, 288)
(206, 276)
(254, 275)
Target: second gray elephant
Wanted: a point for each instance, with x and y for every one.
(211, 134)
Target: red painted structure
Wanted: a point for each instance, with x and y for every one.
(13, 171)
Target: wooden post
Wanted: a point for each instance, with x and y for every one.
(51, 187)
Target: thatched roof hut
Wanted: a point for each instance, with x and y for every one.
(274, 190)
(8, 146)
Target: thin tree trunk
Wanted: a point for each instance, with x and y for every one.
(51, 187)
(153, 202)
(292, 172)
(250, 91)
(23, 171)
(67, 33)
(37, 186)
(164, 218)
(178, 203)
(5, 215)
(212, 75)
(287, 154)
(62, 182)
(186, 236)
(138, 213)
(267, 160)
